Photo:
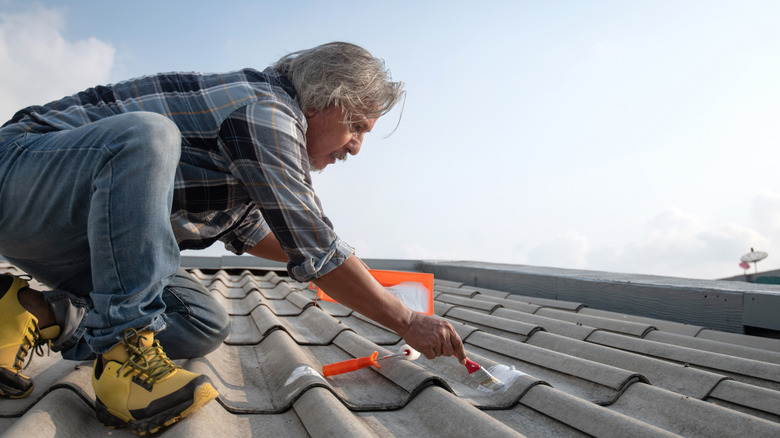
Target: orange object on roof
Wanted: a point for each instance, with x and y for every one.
(415, 289)
(350, 365)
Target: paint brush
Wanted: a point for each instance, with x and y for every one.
(481, 376)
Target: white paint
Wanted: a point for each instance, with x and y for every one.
(506, 374)
(302, 371)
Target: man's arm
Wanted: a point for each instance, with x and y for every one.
(269, 248)
(353, 286)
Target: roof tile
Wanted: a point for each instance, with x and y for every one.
(568, 370)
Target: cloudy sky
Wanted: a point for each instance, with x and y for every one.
(637, 137)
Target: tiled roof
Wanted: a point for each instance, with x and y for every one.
(570, 370)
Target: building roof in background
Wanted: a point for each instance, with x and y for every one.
(569, 370)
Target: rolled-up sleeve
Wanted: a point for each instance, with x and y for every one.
(265, 144)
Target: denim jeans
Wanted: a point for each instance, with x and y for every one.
(86, 211)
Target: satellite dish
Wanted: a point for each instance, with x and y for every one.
(753, 257)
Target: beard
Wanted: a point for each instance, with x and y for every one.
(336, 157)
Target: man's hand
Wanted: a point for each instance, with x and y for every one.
(353, 286)
(433, 337)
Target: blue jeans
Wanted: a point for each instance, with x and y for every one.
(87, 212)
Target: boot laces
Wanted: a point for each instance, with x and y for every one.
(151, 363)
(32, 340)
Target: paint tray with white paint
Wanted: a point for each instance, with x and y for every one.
(415, 289)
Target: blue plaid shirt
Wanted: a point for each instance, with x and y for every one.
(244, 170)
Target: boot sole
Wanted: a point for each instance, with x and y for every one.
(202, 395)
(13, 387)
(6, 392)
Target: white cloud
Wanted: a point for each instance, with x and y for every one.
(40, 65)
(765, 210)
(417, 251)
(683, 244)
(673, 243)
(569, 250)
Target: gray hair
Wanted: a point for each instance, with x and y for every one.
(341, 74)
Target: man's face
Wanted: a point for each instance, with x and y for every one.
(329, 139)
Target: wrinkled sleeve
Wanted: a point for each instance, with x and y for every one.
(249, 232)
(265, 144)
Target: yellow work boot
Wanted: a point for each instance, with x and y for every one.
(19, 333)
(143, 389)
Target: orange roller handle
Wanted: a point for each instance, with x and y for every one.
(350, 365)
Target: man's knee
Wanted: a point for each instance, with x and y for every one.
(196, 323)
(153, 137)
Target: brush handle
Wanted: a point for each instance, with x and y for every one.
(350, 365)
(472, 366)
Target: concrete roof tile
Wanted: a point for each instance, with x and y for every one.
(687, 416)
(436, 412)
(60, 413)
(507, 328)
(715, 346)
(729, 365)
(768, 344)
(449, 283)
(563, 328)
(533, 423)
(614, 325)
(761, 402)
(48, 371)
(675, 377)
(463, 292)
(485, 306)
(568, 371)
(370, 330)
(596, 382)
(509, 304)
(441, 309)
(588, 418)
(667, 326)
(547, 302)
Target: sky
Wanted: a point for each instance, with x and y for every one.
(635, 137)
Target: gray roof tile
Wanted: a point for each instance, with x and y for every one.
(614, 325)
(689, 416)
(675, 377)
(730, 365)
(569, 371)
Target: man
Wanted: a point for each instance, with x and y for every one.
(102, 189)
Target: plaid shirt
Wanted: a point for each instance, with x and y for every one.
(244, 170)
